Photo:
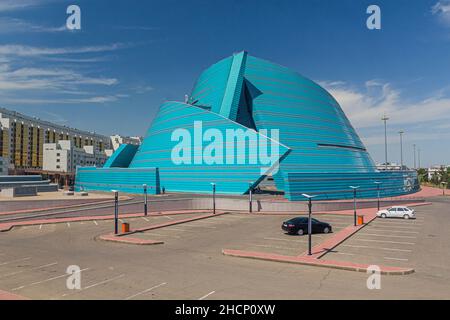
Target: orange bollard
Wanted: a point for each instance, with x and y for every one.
(360, 220)
(125, 227)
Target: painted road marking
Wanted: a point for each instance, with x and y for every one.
(46, 280)
(16, 260)
(168, 217)
(207, 295)
(386, 241)
(95, 222)
(378, 248)
(68, 225)
(178, 229)
(161, 235)
(35, 268)
(399, 259)
(390, 230)
(195, 226)
(94, 285)
(145, 291)
(40, 227)
(274, 247)
(386, 235)
(145, 219)
(398, 227)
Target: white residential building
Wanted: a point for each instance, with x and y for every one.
(117, 140)
(435, 170)
(63, 156)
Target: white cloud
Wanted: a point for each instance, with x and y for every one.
(27, 51)
(11, 5)
(365, 107)
(14, 25)
(442, 10)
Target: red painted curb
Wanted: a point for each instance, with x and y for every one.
(127, 240)
(341, 265)
(172, 223)
(11, 296)
(8, 226)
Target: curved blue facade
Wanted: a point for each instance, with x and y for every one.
(318, 150)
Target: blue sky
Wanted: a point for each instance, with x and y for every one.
(130, 56)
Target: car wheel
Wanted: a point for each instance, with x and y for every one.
(300, 232)
(406, 217)
(326, 230)
(383, 215)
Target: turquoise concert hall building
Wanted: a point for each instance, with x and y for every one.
(246, 119)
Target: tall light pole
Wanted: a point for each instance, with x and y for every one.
(116, 211)
(354, 204)
(401, 132)
(214, 197)
(385, 119)
(145, 199)
(378, 193)
(309, 222)
(414, 147)
(250, 197)
(418, 157)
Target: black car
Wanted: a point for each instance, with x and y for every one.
(300, 226)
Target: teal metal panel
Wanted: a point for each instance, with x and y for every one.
(197, 176)
(122, 157)
(126, 180)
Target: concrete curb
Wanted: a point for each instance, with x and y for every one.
(113, 238)
(340, 265)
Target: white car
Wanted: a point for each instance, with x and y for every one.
(397, 212)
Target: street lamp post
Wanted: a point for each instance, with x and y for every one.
(378, 193)
(214, 197)
(354, 204)
(116, 211)
(145, 199)
(309, 222)
(401, 132)
(418, 157)
(385, 119)
(414, 147)
(250, 197)
(443, 187)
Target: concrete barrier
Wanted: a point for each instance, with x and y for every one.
(23, 191)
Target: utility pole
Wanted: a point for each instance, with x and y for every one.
(414, 147)
(401, 132)
(385, 119)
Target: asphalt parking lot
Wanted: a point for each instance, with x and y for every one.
(189, 265)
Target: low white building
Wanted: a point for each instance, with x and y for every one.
(4, 162)
(435, 170)
(117, 140)
(63, 156)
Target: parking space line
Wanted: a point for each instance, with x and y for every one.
(274, 247)
(16, 260)
(145, 219)
(398, 259)
(390, 230)
(35, 268)
(398, 227)
(195, 226)
(94, 285)
(68, 224)
(40, 227)
(288, 240)
(168, 217)
(95, 222)
(46, 280)
(206, 295)
(178, 229)
(385, 241)
(378, 248)
(161, 235)
(386, 235)
(145, 291)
